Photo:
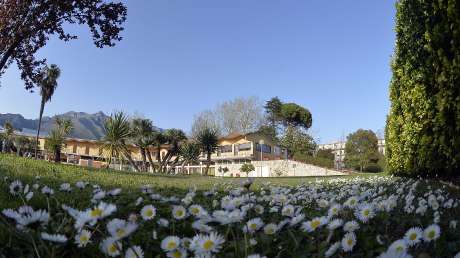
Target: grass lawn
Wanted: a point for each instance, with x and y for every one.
(307, 214)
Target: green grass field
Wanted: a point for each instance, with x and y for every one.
(54, 174)
(313, 198)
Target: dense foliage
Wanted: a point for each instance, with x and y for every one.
(26, 26)
(56, 138)
(361, 150)
(423, 127)
(66, 211)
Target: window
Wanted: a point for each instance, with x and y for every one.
(265, 148)
(226, 148)
(244, 146)
(87, 150)
(277, 150)
(74, 150)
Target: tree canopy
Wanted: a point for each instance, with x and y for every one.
(423, 127)
(26, 26)
(361, 149)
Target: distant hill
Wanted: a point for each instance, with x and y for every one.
(86, 126)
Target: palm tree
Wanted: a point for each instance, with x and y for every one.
(8, 136)
(56, 138)
(174, 138)
(142, 130)
(21, 143)
(190, 153)
(208, 141)
(48, 84)
(117, 135)
(157, 139)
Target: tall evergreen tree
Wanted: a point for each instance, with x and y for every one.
(423, 126)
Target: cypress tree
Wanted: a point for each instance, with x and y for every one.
(423, 126)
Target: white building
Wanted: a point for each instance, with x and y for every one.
(338, 148)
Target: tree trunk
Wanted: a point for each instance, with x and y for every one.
(183, 167)
(164, 162)
(57, 155)
(149, 156)
(131, 161)
(159, 158)
(208, 163)
(37, 143)
(110, 159)
(174, 163)
(9, 52)
(144, 159)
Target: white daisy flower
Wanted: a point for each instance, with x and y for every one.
(179, 212)
(332, 249)
(253, 225)
(47, 190)
(134, 252)
(348, 242)
(334, 224)
(196, 210)
(270, 229)
(148, 212)
(83, 238)
(413, 236)
(288, 210)
(312, 225)
(65, 187)
(365, 212)
(162, 222)
(259, 209)
(178, 253)
(334, 210)
(16, 187)
(211, 243)
(111, 247)
(431, 233)
(57, 238)
(170, 243)
(351, 226)
(119, 228)
(398, 246)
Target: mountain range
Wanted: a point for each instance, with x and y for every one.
(86, 126)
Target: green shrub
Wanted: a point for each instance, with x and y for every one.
(373, 168)
(317, 161)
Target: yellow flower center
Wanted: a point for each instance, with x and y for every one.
(350, 241)
(270, 231)
(208, 244)
(253, 226)
(179, 213)
(431, 234)
(315, 224)
(366, 212)
(120, 232)
(195, 210)
(171, 245)
(176, 254)
(413, 236)
(84, 239)
(95, 213)
(112, 248)
(149, 213)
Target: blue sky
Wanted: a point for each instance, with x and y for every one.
(178, 58)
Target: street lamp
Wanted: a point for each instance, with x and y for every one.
(261, 143)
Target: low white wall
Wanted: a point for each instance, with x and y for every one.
(279, 168)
